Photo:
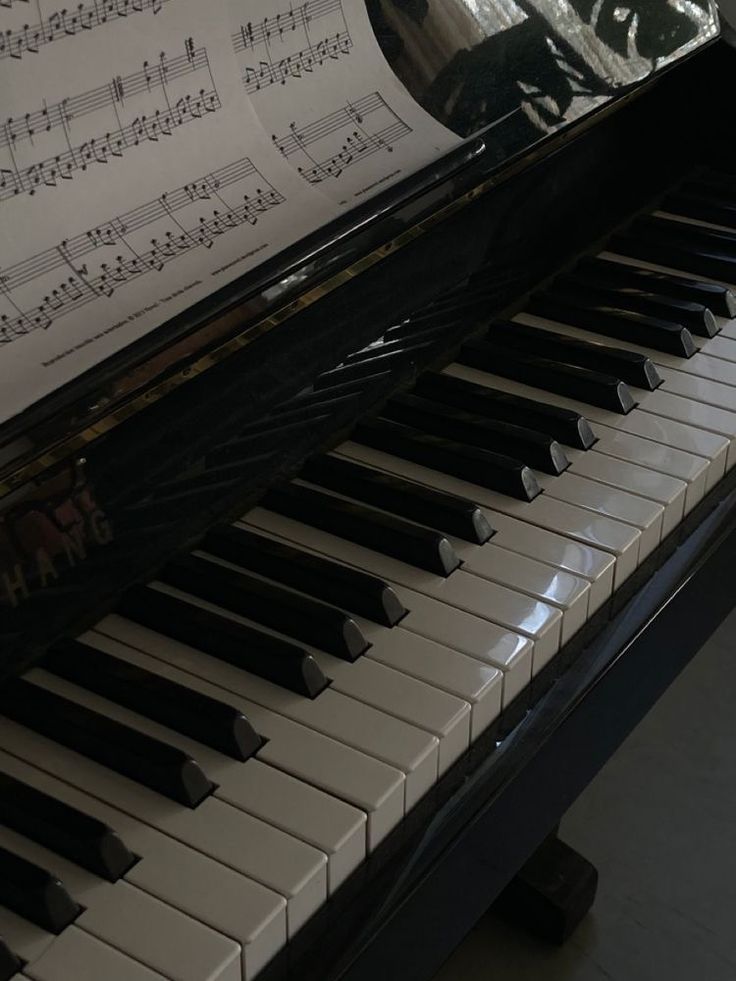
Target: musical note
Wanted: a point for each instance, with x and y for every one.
(282, 48)
(326, 147)
(68, 22)
(38, 149)
(98, 262)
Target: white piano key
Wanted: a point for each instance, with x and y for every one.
(538, 621)
(78, 956)
(665, 429)
(408, 748)
(25, 939)
(567, 592)
(359, 779)
(179, 876)
(666, 492)
(647, 453)
(645, 515)
(480, 685)
(700, 389)
(718, 347)
(706, 417)
(147, 930)
(550, 521)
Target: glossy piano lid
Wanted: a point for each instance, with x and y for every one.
(529, 67)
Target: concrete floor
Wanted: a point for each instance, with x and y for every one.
(659, 822)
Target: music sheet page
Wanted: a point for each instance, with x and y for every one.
(151, 151)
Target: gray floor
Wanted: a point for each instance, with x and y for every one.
(659, 822)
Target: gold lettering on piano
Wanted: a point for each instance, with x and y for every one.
(15, 585)
(46, 568)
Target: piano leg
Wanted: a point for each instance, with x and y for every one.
(551, 894)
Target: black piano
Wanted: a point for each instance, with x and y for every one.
(321, 603)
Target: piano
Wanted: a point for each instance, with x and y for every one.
(321, 604)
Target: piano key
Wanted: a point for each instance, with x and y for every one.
(696, 438)
(561, 424)
(546, 514)
(285, 664)
(538, 621)
(594, 565)
(504, 474)
(340, 771)
(33, 893)
(124, 917)
(594, 311)
(63, 829)
(563, 590)
(479, 639)
(10, 965)
(420, 547)
(215, 829)
(26, 940)
(334, 849)
(698, 319)
(211, 722)
(451, 515)
(719, 299)
(635, 369)
(343, 587)
(594, 387)
(700, 390)
(692, 203)
(268, 604)
(688, 467)
(534, 449)
(685, 232)
(147, 761)
(698, 259)
(181, 877)
(407, 748)
(667, 492)
(78, 955)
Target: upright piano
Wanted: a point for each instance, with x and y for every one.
(322, 602)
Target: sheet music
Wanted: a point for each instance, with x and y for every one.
(322, 89)
(142, 166)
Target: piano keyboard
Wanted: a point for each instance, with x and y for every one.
(184, 786)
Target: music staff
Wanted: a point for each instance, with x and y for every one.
(40, 290)
(292, 43)
(47, 146)
(68, 22)
(345, 137)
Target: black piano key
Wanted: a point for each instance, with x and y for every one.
(619, 275)
(630, 366)
(148, 761)
(445, 512)
(564, 425)
(656, 228)
(269, 604)
(205, 719)
(697, 318)
(702, 260)
(10, 965)
(420, 547)
(322, 578)
(534, 449)
(596, 312)
(34, 894)
(271, 658)
(63, 829)
(492, 470)
(582, 384)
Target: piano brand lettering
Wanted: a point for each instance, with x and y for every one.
(42, 539)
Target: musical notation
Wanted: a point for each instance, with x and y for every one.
(292, 43)
(343, 138)
(68, 22)
(95, 264)
(48, 145)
